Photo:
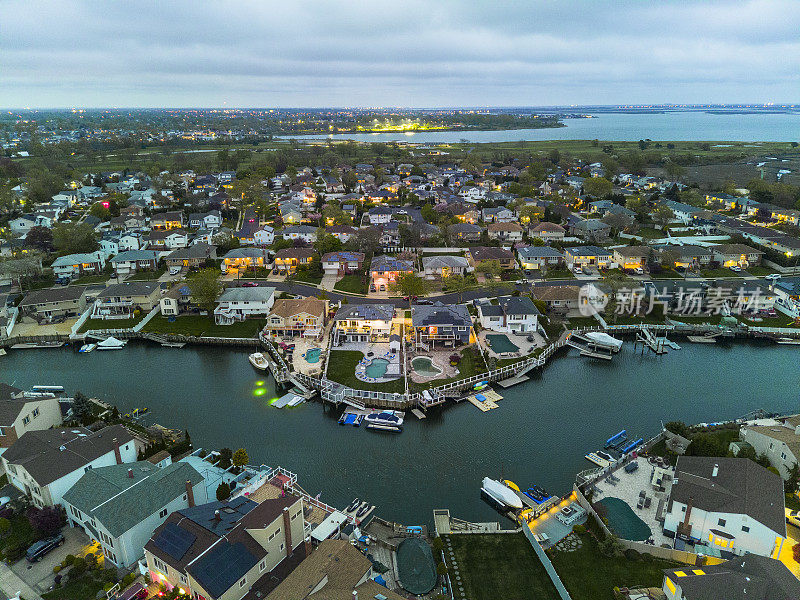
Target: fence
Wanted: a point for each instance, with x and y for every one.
(548, 566)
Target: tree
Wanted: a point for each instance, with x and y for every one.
(409, 284)
(678, 428)
(457, 284)
(81, 408)
(240, 458)
(639, 206)
(223, 491)
(663, 215)
(429, 214)
(529, 213)
(205, 287)
(40, 237)
(5, 526)
(366, 240)
(47, 521)
(615, 282)
(617, 221)
(327, 243)
(225, 457)
(70, 238)
(610, 546)
(99, 211)
(599, 187)
(489, 267)
(790, 485)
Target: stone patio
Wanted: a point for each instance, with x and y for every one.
(520, 340)
(440, 358)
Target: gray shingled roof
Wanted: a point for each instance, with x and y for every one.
(56, 294)
(440, 314)
(246, 294)
(384, 312)
(130, 288)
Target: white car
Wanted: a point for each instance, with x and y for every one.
(793, 517)
(736, 269)
(772, 277)
(577, 270)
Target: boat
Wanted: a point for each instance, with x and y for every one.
(632, 446)
(258, 360)
(353, 505)
(617, 439)
(500, 494)
(788, 341)
(385, 427)
(86, 348)
(386, 417)
(111, 343)
(600, 461)
(480, 386)
(511, 484)
(296, 400)
(29, 345)
(701, 339)
(365, 508)
(604, 339)
(50, 389)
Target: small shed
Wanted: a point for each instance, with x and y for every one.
(394, 343)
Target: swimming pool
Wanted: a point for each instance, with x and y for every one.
(624, 522)
(313, 355)
(500, 343)
(424, 366)
(377, 368)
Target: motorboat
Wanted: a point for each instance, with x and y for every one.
(788, 341)
(603, 339)
(31, 345)
(600, 458)
(86, 348)
(501, 494)
(480, 386)
(384, 419)
(295, 401)
(353, 505)
(258, 360)
(111, 343)
(363, 509)
(50, 389)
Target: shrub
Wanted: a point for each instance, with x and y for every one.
(223, 491)
(56, 569)
(441, 569)
(796, 552)
(78, 568)
(631, 554)
(57, 580)
(68, 560)
(438, 544)
(14, 552)
(579, 529)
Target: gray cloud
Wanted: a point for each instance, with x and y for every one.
(411, 53)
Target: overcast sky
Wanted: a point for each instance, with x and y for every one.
(424, 53)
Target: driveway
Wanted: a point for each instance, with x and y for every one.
(40, 575)
(328, 281)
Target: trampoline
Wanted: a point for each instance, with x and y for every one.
(501, 344)
(416, 568)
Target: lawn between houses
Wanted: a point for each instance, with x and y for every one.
(90, 324)
(352, 284)
(342, 369)
(198, 325)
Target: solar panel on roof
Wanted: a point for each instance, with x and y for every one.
(223, 566)
(174, 540)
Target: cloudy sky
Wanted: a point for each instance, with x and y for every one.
(419, 53)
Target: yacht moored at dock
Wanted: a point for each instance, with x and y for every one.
(386, 420)
(500, 494)
(86, 348)
(258, 360)
(111, 343)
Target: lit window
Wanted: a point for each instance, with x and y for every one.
(698, 571)
(680, 574)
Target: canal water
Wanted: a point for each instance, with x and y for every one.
(539, 433)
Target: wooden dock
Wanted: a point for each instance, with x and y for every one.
(490, 399)
(507, 383)
(418, 413)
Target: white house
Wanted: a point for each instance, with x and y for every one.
(75, 265)
(514, 314)
(726, 507)
(43, 465)
(779, 442)
(20, 414)
(472, 193)
(302, 232)
(264, 236)
(537, 257)
(239, 303)
(380, 215)
(121, 505)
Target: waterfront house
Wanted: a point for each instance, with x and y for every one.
(361, 323)
(176, 300)
(168, 220)
(444, 265)
(43, 465)
(506, 232)
(478, 254)
(121, 300)
(336, 570)
(749, 577)
(548, 232)
(385, 270)
(342, 262)
(538, 257)
(292, 317)
(132, 261)
(442, 325)
(307, 233)
(228, 550)
(632, 257)
(510, 314)
(20, 414)
(728, 506)
(191, 257)
(287, 260)
(588, 256)
(121, 505)
(240, 259)
(780, 443)
(77, 265)
(742, 255)
(49, 303)
(465, 232)
(561, 298)
(264, 236)
(240, 303)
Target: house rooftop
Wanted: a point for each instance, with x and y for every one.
(55, 294)
(288, 307)
(246, 294)
(367, 312)
(440, 314)
(130, 288)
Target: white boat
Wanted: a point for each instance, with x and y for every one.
(30, 345)
(788, 341)
(604, 339)
(111, 343)
(258, 360)
(50, 389)
(501, 494)
(87, 348)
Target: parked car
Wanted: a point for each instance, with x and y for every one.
(174, 270)
(577, 270)
(639, 271)
(249, 284)
(772, 277)
(736, 268)
(38, 550)
(793, 517)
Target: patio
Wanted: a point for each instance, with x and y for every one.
(440, 359)
(519, 340)
(373, 350)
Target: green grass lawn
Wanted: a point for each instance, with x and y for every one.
(111, 323)
(85, 587)
(147, 275)
(353, 284)
(197, 325)
(780, 321)
(87, 279)
(305, 277)
(759, 271)
(342, 368)
(558, 274)
(718, 273)
(651, 233)
(589, 575)
(666, 274)
(500, 566)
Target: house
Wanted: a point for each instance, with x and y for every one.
(780, 443)
(478, 254)
(290, 214)
(48, 303)
(290, 317)
(336, 570)
(507, 232)
(209, 220)
(240, 303)
(342, 262)
(548, 232)
(167, 239)
(511, 314)
(300, 232)
(689, 256)
(264, 236)
(728, 201)
(590, 229)
(561, 298)
(683, 212)
(43, 465)
(22, 225)
(240, 259)
(175, 300)
(227, 550)
(444, 265)
(632, 257)
(379, 215)
(729, 255)
(748, 577)
(466, 232)
(288, 260)
(20, 414)
(343, 233)
(362, 323)
(121, 505)
(385, 270)
(729, 505)
(538, 257)
(500, 214)
(121, 300)
(76, 265)
(247, 234)
(588, 256)
(168, 220)
(464, 212)
(191, 257)
(132, 261)
(445, 325)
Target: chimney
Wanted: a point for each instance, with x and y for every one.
(355, 595)
(189, 493)
(287, 530)
(715, 470)
(216, 516)
(688, 512)
(307, 545)
(130, 473)
(117, 454)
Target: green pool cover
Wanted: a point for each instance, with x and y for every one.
(500, 343)
(623, 521)
(416, 568)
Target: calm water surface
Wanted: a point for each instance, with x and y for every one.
(538, 435)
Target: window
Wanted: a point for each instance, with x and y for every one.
(184, 580)
(721, 522)
(263, 565)
(2, 431)
(282, 546)
(683, 509)
(243, 582)
(160, 565)
(163, 513)
(272, 535)
(745, 528)
(35, 412)
(26, 420)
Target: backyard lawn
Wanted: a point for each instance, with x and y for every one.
(499, 566)
(111, 323)
(558, 274)
(342, 369)
(197, 325)
(590, 575)
(353, 284)
(471, 364)
(759, 271)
